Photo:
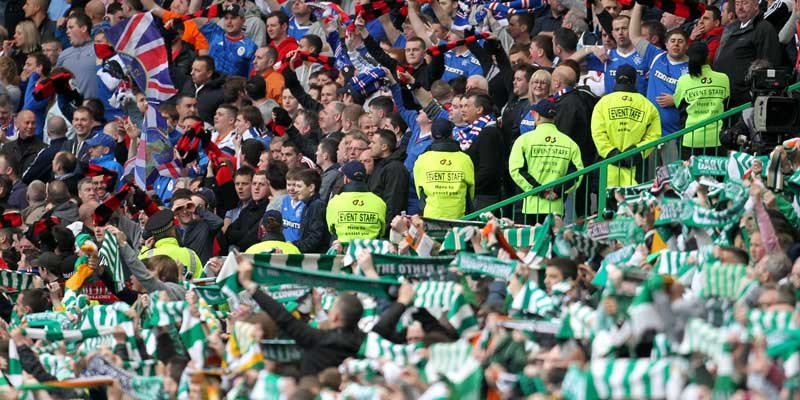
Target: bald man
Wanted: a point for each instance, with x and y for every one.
(42, 167)
(27, 144)
(96, 11)
(574, 118)
(477, 84)
(86, 214)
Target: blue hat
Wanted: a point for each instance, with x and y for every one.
(546, 108)
(442, 128)
(626, 74)
(274, 214)
(355, 171)
(102, 139)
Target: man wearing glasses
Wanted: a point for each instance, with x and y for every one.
(358, 143)
(197, 226)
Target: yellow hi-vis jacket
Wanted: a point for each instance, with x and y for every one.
(445, 178)
(169, 247)
(539, 157)
(356, 214)
(621, 120)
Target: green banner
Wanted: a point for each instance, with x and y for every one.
(615, 229)
(311, 262)
(709, 166)
(281, 350)
(288, 292)
(669, 212)
(266, 274)
(478, 264)
(438, 228)
(394, 265)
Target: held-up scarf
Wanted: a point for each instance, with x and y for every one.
(443, 48)
(212, 11)
(466, 135)
(328, 63)
(461, 19)
(368, 82)
(502, 10)
(374, 9)
(404, 68)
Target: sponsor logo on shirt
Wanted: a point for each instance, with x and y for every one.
(626, 113)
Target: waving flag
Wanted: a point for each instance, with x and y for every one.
(141, 48)
(154, 155)
(140, 40)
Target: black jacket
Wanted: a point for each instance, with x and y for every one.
(181, 66)
(486, 153)
(314, 235)
(42, 166)
(25, 151)
(71, 180)
(387, 324)
(512, 115)
(741, 46)
(199, 235)
(390, 180)
(499, 74)
(209, 97)
(243, 232)
(47, 30)
(294, 86)
(574, 119)
(308, 143)
(424, 74)
(321, 348)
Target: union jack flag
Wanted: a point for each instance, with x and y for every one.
(140, 42)
(140, 38)
(154, 156)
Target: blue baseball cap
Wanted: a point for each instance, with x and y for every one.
(102, 139)
(546, 108)
(355, 170)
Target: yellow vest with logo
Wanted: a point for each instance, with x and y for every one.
(356, 215)
(443, 180)
(169, 247)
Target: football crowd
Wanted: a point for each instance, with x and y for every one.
(266, 200)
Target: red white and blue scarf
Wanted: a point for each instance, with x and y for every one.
(466, 135)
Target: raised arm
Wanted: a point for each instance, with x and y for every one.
(304, 335)
(635, 29)
(416, 22)
(293, 84)
(373, 48)
(155, 8)
(392, 34)
(441, 14)
(195, 6)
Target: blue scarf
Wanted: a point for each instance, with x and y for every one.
(368, 82)
(466, 135)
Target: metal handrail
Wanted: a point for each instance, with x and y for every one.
(612, 160)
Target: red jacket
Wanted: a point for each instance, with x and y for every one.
(711, 39)
(285, 46)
